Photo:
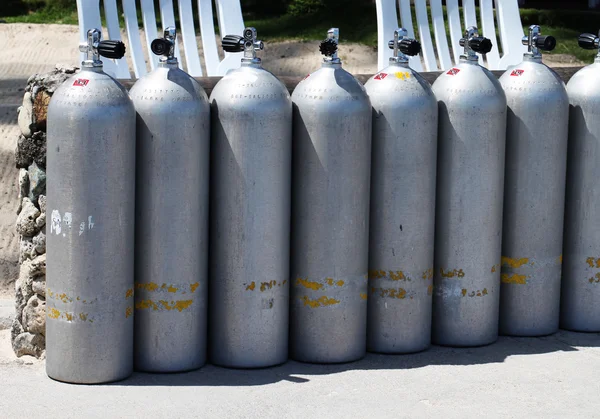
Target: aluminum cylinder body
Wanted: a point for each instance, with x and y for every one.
(250, 219)
(534, 193)
(580, 295)
(470, 177)
(171, 271)
(403, 176)
(90, 230)
(330, 217)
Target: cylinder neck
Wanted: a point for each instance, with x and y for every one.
(332, 64)
(168, 63)
(532, 58)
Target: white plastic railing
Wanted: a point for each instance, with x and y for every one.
(439, 56)
(230, 21)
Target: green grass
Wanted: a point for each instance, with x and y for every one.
(358, 24)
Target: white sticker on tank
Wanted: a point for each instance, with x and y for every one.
(68, 219)
(55, 226)
(90, 222)
(81, 228)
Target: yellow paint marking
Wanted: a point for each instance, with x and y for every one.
(339, 283)
(267, 285)
(513, 279)
(397, 276)
(560, 259)
(172, 289)
(151, 286)
(513, 262)
(363, 296)
(484, 292)
(173, 305)
(430, 290)
(452, 273)
(464, 292)
(194, 286)
(144, 304)
(495, 267)
(593, 262)
(428, 274)
(182, 305)
(53, 313)
(309, 284)
(251, 286)
(83, 316)
(399, 293)
(322, 301)
(284, 281)
(128, 312)
(595, 278)
(402, 75)
(329, 281)
(68, 316)
(64, 298)
(128, 294)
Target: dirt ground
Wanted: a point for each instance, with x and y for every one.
(30, 49)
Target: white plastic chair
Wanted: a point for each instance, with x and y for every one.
(509, 24)
(229, 13)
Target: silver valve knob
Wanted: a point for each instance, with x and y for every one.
(165, 47)
(536, 43)
(329, 46)
(95, 48)
(403, 46)
(473, 43)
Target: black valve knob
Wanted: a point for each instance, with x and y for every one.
(587, 41)
(233, 43)
(545, 43)
(160, 46)
(480, 44)
(328, 47)
(409, 47)
(111, 49)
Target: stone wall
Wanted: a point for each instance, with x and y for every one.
(28, 328)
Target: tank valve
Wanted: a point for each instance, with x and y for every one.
(247, 44)
(589, 41)
(536, 43)
(165, 46)
(403, 46)
(473, 43)
(329, 46)
(96, 48)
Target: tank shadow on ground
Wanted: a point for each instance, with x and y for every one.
(295, 372)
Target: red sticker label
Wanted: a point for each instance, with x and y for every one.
(81, 82)
(380, 76)
(453, 71)
(517, 73)
(307, 76)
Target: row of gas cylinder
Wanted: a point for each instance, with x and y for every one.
(342, 218)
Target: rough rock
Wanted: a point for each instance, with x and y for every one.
(42, 203)
(29, 344)
(39, 286)
(27, 249)
(37, 182)
(39, 242)
(34, 315)
(40, 109)
(23, 187)
(41, 220)
(25, 118)
(26, 220)
(31, 149)
(16, 329)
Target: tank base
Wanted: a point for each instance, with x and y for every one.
(396, 351)
(528, 334)
(465, 345)
(151, 370)
(87, 383)
(233, 366)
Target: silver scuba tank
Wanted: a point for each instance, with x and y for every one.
(580, 294)
(90, 233)
(405, 124)
(330, 215)
(470, 178)
(534, 192)
(172, 168)
(250, 213)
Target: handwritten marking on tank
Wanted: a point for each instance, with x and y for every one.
(399, 293)
(55, 314)
(322, 301)
(251, 286)
(55, 225)
(428, 274)
(81, 228)
(593, 262)
(315, 286)
(513, 279)
(267, 285)
(128, 293)
(478, 293)
(514, 262)
(452, 273)
(267, 303)
(162, 305)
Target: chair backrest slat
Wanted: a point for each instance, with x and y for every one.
(511, 32)
(387, 22)
(454, 27)
(425, 36)
(133, 34)
(209, 40)
(229, 14)
(188, 35)
(439, 28)
(406, 23)
(489, 31)
(149, 20)
(167, 17)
